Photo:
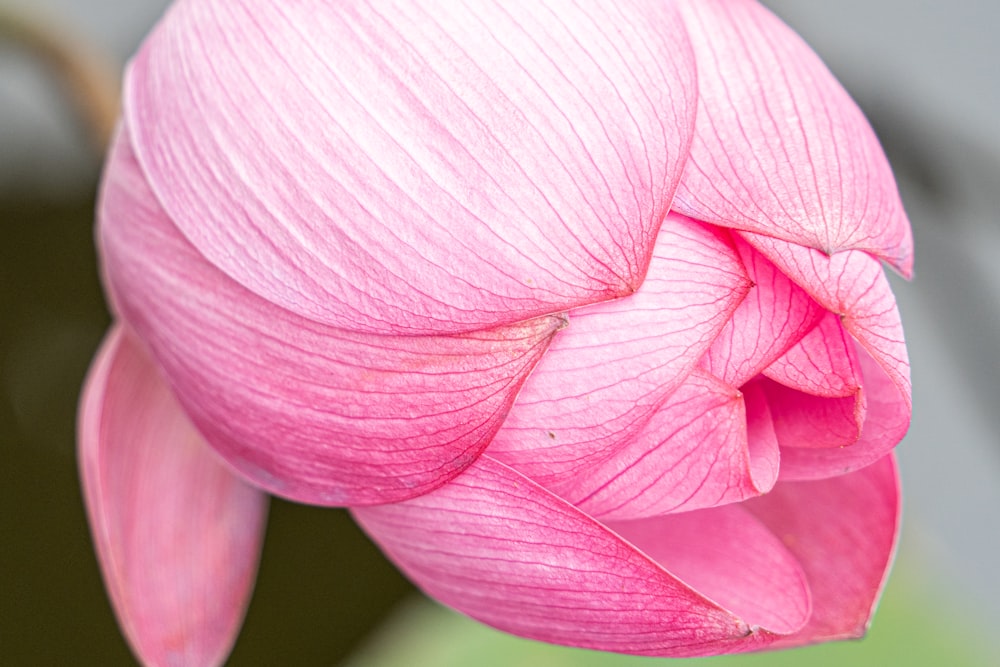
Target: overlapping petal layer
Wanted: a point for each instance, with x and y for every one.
(775, 316)
(817, 398)
(853, 285)
(843, 532)
(416, 167)
(697, 451)
(887, 418)
(318, 414)
(502, 549)
(607, 373)
(177, 532)
(780, 148)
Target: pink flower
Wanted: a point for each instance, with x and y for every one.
(580, 308)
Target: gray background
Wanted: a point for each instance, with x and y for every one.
(925, 72)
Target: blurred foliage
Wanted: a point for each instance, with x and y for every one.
(913, 628)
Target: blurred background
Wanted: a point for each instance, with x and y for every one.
(926, 72)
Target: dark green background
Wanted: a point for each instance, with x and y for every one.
(322, 584)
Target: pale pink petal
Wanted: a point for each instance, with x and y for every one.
(500, 548)
(607, 372)
(695, 452)
(177, 533)
(320, 415)
(887, 418)
(780, 148)
(843, 531)
(774, 316)
(852, 285)
(417, 167)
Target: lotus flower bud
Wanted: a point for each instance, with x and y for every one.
(579, 308)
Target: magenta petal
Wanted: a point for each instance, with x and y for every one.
(843, 531)
(886, 420)
(852, 285)
(695, 452)
(417, 167)
(500, 548)
(177, 533)
(780, 148)
(608, 371)
(774, 316)
(313, 413)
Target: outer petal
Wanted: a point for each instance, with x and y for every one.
(780, 148)
(177, 533)
(776, 314)
(843, 531)
(502, 549)
(852, 285)
(695, 452)
(607, 373)
(417, 167)
(317, 414)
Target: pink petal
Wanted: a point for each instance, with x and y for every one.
(313, 413)
(852, 285)
(695, 452)
(816, 397)
(887, 418)
(609, 370)
(775, 315)
(417, 167)
(843, 531)
(780, 148)
(804, 420)
(823, 363)
(177, 533)
(730, 558)
(500, 548)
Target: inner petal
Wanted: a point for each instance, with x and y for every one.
(695, 452)
(774, 316)
(606, 373)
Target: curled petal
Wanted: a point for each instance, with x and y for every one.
(417, 167)
(774, 316)
(317, 414)
(177, 533)
(695, 452)
(505, 551)
(780, 148)
(886, 420)
(805, 420)
(606, 374)
(843, 531)
(852, 285)
(816, 397)
(823, 363)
